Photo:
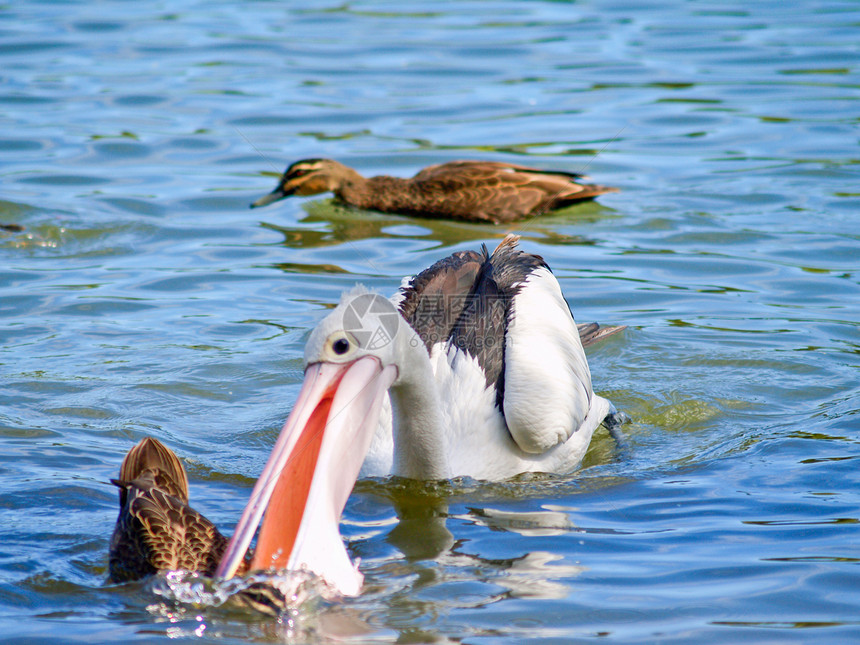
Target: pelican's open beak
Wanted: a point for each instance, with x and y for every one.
(310, 475)
(274, 196)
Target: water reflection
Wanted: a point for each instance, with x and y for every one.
(421, 532)
(535, 576)
(342, 224)
(530, 523)
(451, 573)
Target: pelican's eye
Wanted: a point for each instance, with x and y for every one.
(340, 346)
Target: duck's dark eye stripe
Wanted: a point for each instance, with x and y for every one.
(340, 346)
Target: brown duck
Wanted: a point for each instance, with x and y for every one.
(481, 191)
(156, 529)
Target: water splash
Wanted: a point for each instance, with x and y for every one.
(270, 593)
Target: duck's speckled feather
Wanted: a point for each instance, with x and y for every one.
(156, 529)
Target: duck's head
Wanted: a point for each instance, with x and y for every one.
(307, 177)
(350, 363)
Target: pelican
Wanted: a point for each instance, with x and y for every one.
(474, 368)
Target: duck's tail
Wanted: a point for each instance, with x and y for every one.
(151, 458)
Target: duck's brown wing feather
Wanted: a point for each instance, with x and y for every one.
(496, 191)
(483, 169)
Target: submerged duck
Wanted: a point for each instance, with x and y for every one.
(484, 191)
(157, 530)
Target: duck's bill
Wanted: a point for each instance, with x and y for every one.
(310, 474)
(274, 196)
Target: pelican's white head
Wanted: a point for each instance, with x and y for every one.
(364, 324)
(350, 363)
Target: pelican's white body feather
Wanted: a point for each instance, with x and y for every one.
(547, 381)
(550, 410)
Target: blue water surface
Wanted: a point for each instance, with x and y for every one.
(144, 298)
